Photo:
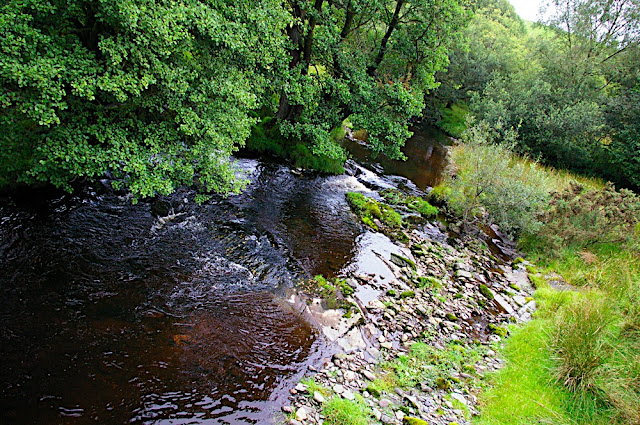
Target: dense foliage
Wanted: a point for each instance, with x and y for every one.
(486, 183)
(159, 93)
(153, 92)
(569, 87)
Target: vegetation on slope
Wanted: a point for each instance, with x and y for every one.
(578, 361)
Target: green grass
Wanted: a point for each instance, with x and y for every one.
(578, 361)
(426, 364)
(338, 411)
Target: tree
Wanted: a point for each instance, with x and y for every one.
(369, 60)
(157, 93)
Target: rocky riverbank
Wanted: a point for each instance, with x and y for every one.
(428, 316)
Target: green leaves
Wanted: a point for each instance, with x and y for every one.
(156, 93)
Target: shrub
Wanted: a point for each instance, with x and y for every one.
(580, 343)
(487, 181)
(583, 217)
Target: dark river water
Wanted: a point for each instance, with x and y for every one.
(109, 315)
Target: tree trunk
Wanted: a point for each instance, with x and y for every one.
(300, 56)
(371, 70)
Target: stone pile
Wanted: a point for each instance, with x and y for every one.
(439, 292)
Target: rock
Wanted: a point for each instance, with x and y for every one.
(376, 413)
(464, 274)
(413, 400)
(386, 345)
(317, 396)
(459, 397)
(370, 376)
(384, 403)
(287, 409)
(338, 389)
(401, 261)
(349, 375)
(303, 413)
(503, 304)
(520, 300)
(301, 388)
(399, 415)
(348, 395)
(375, 305)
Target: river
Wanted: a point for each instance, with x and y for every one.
(113, 315)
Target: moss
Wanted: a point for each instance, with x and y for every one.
(517, 261)
(443, 384)
(333, 291)
(427, 282)
(391, 292)
(373, 390)
(451, 317)
(407, 294)
(266, 138)
(401, 261)
(414, 203)
(500, 331)
(418, 250)
(514, 287)
(486, 292)
(367, 209)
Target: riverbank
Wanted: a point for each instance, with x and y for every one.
(435, 351)
(429, 323)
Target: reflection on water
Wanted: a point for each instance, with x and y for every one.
(426, 153)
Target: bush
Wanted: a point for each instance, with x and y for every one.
(487, 181)
(583, 217)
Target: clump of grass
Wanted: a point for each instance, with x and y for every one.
(313, 386)
(428, 365)
(338, 411)
(333, 291)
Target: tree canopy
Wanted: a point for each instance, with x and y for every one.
(159, 94)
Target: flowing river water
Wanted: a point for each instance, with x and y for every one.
(111, 315)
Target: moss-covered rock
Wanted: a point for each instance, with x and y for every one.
(486, 292)
(451, 317)
(413, 421)
(407, 294)
(401, 261)
(498, 330)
